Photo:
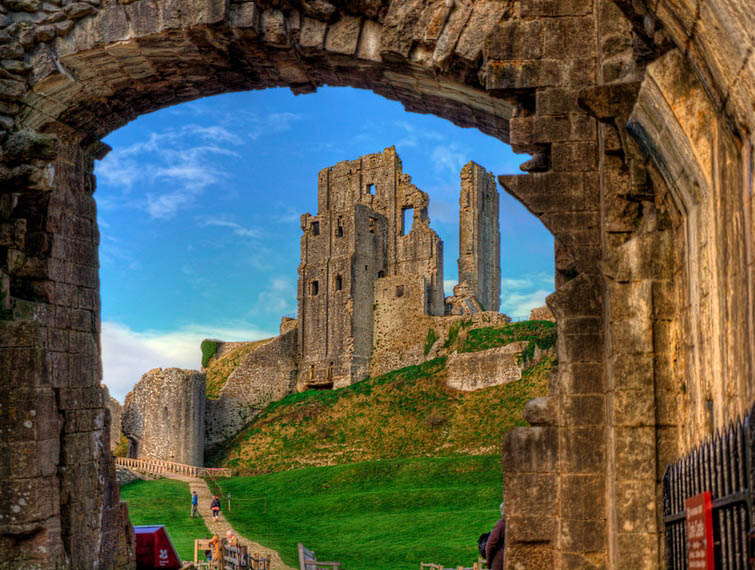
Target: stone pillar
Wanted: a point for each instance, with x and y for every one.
(479, 236)
(555, 485)
(60, 501)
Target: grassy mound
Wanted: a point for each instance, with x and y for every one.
(405, 413)
(168, 502)
(377, 515)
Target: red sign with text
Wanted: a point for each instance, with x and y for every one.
(699, 525)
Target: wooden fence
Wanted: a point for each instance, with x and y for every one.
(723, 466)
(160, 467)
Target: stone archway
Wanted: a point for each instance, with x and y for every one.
(558, 80)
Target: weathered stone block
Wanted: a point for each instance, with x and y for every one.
(541, 411)
(246, 15)
(533, 493)
(636, 550)
(582, 377)
(632, 408)
(631, 371)
(515, 40)
(634, 452)
(528, 74)
(343, 35)
(583, 410)
(583, 496)
(583, 450)
(583, 535)
(312, 34)
(531, 8)
(569, 37)
(531, 449)
(536, 528)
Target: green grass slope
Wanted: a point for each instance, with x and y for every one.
(405, 413)
(168, 502)
(378, 515)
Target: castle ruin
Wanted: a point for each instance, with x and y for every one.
(371, 245)
(639, 119)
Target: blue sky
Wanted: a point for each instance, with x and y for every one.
(199, 209)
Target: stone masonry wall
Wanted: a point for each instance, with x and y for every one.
(265, 375)
(164, 415)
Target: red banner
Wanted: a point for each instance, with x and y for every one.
(699, 526)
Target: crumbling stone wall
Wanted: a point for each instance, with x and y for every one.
(266, 375)
(357, 238)
(164, 416)
(469, 371)
(559, 80)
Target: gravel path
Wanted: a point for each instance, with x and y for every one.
(222, 525)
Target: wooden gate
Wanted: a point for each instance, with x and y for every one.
(723, 466)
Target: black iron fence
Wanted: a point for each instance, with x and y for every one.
(723, 466)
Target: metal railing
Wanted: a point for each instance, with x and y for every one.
(723, 466)
(160, 467)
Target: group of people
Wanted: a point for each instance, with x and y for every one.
(214, 506)
(216, 545)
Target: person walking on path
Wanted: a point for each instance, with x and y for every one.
(194, 504)
(494, 549)
(215, 508)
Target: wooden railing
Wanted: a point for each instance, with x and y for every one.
(160, 467)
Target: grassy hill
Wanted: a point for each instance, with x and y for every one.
(379, 515)
(405, 413)
(165, 501)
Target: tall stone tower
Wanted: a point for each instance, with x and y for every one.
(371, 224)
(479, 236)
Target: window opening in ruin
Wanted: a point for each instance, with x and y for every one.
(339, 229)
(407, 220)
(311, 371)
(339, 283)
(372, 225)
(369, 189)
(316, 228)
(330, 371)
(314, 288)
(381, 274)
(399, 291)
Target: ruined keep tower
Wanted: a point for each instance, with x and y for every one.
(479, 236)
(371, 224)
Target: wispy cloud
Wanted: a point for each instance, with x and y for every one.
(278, 298)
(127, 354)
(519, 295)
(184, 160)
(237, 229)
(449, 158)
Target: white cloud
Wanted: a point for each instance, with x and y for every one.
(519, 295)
(278, 298)
(183, 160)
(519, 305)
(128, 354)
(237, 229)
(257, 126)
(448, 158)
